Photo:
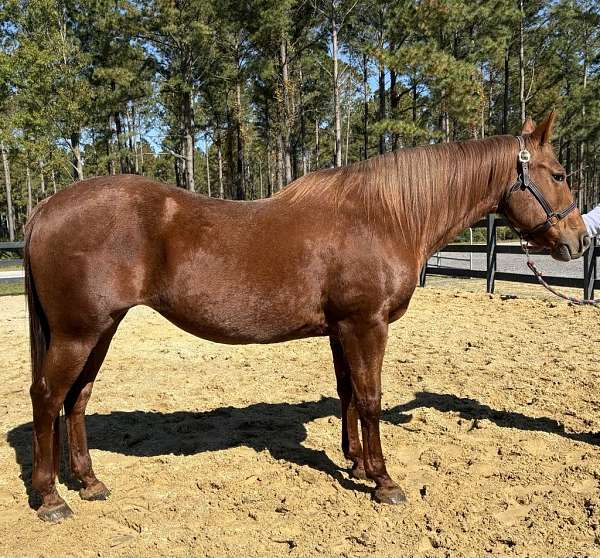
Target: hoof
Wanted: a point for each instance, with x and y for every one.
(96, 491)
(358, 473)
(55, 514)
(389, 496)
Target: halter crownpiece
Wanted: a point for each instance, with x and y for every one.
(524, 182)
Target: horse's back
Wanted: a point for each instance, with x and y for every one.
(221, 269)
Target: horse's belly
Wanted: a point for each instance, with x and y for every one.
(251, 323)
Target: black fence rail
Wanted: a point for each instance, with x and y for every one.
(588, 283)
(13, 248)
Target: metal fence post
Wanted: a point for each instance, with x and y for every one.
(589, 270)
(491, 251)
(423, 275)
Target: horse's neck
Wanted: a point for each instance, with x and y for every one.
(443, 231)
(477, 194)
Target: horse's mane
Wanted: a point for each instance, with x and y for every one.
(413, 188)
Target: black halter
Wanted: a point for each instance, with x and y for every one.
(524, 182)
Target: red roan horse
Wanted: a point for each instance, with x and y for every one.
(337, 253)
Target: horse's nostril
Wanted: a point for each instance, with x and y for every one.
(585, 242)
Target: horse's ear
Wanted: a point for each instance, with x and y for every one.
(528, 126)
(543, 132)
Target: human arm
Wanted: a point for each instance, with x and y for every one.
(592, 221)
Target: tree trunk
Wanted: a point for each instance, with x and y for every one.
(42, 179)
(141, 157)
(394, 101)
(230, 158)
(111, 162)
(568, 162)
(187, 134)
(336, 93)
(415, 96)
(347, 136)
(269, 175)
(505, 97)
(207, 167)
(133, 142)
(317, 145)
(286, 116)
(581, 175)
(365, 107)
(220, 165)
(29, 193)
(521, 62)
(381, 105)
(53, 180)
(8, 186)
(119, 128)
(302, 129)
(446, 121)
(178, 172)
(77, 162)
(240, 185)
(279, 167)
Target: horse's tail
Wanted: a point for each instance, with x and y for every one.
(39, 332)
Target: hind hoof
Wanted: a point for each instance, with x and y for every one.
(96, 491)
(358, 473)
(55, 514)
(392, 496)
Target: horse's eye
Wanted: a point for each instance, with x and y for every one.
(559, 177)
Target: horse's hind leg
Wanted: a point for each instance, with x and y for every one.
(63, 363)
(350, 438)
(75, 404)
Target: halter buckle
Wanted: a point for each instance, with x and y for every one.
(553, 219)
(524, 156)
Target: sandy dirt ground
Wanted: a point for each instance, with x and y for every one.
(492, 411)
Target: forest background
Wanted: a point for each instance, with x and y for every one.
(237, 99)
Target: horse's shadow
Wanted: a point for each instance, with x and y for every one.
(278, 428)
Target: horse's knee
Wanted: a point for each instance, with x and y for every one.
(368, 406)
(38, 390)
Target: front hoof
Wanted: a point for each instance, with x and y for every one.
(55, 514)
(96, 491)
(393, 495)
(358, 473)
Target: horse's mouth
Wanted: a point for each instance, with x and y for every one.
(562, 253)
(535, 248)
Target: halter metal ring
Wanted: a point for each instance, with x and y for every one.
(524, 156)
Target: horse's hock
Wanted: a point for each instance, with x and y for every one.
(489, 425)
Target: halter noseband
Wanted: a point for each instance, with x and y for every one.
(524, 182)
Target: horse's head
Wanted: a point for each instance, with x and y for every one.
(540, 204)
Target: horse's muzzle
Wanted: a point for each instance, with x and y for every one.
(567, 251)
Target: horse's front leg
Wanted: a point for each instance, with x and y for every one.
(350, 439)
(364, 345)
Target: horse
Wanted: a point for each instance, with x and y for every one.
(337, 253)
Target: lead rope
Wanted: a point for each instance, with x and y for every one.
(538, 275)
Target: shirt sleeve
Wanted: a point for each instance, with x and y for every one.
(592, 221)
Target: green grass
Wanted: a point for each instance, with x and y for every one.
(16, 288)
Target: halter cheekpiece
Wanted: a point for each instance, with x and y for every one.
(524, 182)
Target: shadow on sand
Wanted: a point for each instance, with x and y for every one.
(278, 428)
